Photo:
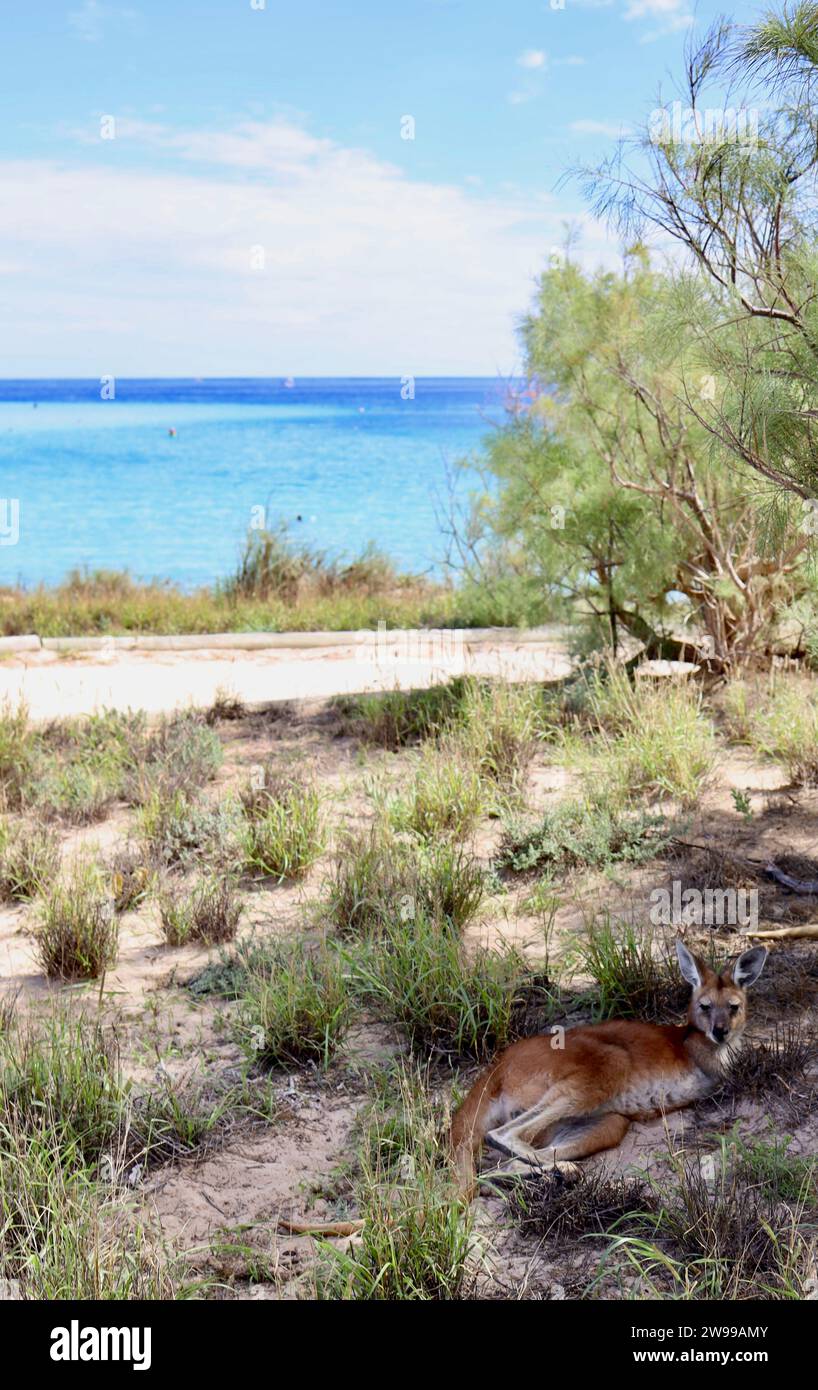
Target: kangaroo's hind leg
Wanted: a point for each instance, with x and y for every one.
(514, 1138)
(584, 1137)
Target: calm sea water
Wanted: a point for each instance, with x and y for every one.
(104, 484)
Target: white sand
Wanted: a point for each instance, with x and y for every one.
(55, 685)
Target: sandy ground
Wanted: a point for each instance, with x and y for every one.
(55, 685)
(220, 1207)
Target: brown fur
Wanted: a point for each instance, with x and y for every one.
(544, 1103)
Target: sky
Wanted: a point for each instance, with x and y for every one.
(256, 188)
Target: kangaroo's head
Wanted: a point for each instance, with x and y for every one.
(718, 1004)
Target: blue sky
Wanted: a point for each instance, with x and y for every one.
(257, 211)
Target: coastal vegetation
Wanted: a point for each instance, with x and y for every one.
(656, 479)
(278, 586)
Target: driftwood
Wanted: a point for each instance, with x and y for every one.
(784, 933)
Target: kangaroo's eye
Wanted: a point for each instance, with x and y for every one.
(734, 1008)
(705, 1004)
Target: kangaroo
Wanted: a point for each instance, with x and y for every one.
(546, 1104)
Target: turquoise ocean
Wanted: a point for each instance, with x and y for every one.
(162, 478)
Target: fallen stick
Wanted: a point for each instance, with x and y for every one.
(808, 886)
(781, 933)
(320, 1228)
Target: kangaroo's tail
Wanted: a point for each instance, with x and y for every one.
(470, 1125)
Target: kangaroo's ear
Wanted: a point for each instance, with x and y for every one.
(747, 967)
(691, 967)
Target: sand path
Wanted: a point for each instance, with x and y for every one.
(58, 684)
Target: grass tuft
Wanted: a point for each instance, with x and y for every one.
(210, 913)
(375, 877)
(29, 860)
(295, 1004)
(416, 1234)
(283, 831)
(448, 1002)
(77, 933)
(445, 797)
(631, 980)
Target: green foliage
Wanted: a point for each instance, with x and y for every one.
(448, 1001)
(635, 976)
(780, 722)
(606, 481)
(445, 797)
(416, 1234)
(578, 834)
(209, 912)
(648, 740)
(398, 718)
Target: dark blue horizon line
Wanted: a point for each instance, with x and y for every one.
(277, 377)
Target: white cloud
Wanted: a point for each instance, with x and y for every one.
(673, 15)
(140, 270)
(532, 58)
(607, 128)
(90, 20)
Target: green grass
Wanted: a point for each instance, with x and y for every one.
(77, 932)
(67, 1138)
(283, 831)
(647, 740)
(62, 1234)
(209, 912)
(295, 1004)
(75, 770)
(780, 723)
(499, 728)
(110, 602)
(632, 978)
(29, 860)
(788, 1177)
(399, 718)
(16, 753)
(68, 1070)
(719, 1239)
(445, 797)
(375, 877)
(416, 1234)
(180, 753)
(447, 1001)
